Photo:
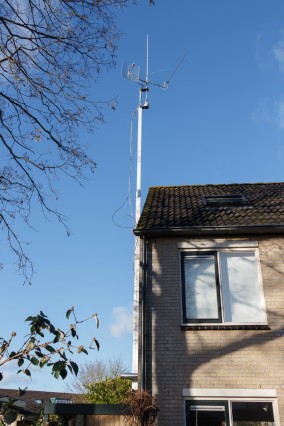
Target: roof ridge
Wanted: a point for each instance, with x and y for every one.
(215, 184)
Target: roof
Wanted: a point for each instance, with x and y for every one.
(30, 400)
(172, 209)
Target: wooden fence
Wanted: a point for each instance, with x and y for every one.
(105, 420)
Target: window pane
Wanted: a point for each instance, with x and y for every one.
(252, 414)
(241, 288)
(207, 418)
(200, 288)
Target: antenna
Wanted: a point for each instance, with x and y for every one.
(132, 72)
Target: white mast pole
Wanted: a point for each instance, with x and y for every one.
(137, 249)
(132, 73)
(141, 106)
(139, 161)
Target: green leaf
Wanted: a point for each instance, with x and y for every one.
(1, 376)
(27, 372)
(56, 374)
(34, 361)
(39, 354)
(68, 313)
(59, 365)
(96, 343)
(12, 354)
(74, 367)
(52, 329)
(73, 332)
(31, 319)
(10, 416)
(58, 337)
(20, 362)
(49, 348)
(63, 373)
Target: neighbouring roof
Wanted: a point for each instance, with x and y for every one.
(247, 207)
(30, 401)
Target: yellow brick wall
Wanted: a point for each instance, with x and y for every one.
(242, 359)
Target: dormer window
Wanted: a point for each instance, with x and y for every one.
(229, 200)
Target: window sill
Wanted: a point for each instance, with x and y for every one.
(224, 327)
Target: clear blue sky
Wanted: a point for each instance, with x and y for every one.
(220, 121)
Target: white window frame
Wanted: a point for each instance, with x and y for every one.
(220, 246)
(232, 395)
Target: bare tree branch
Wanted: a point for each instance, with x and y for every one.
(50, 52)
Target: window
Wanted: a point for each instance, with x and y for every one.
(231, 200)
(38, 403)
(230, 413)
(201, 413)
(222, 286)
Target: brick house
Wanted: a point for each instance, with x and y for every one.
(211, 307)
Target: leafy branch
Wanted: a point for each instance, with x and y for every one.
(47, 345)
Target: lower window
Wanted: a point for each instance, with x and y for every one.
(229, 413)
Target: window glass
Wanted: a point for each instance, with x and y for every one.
(230, 200)
(200, 288)
(222, 286)
(205, 413)
(206, 418)
(252, 414)
(242, 296)
(216, 413)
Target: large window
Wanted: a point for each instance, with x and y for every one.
(222, 286)
(230, 413)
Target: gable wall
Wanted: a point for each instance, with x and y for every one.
(235, 359)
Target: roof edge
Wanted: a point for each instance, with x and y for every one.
(211, 230)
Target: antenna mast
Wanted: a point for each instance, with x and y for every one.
(143, 104)
(132, 72)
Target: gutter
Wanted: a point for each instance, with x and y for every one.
(211, 230)
(143, 313)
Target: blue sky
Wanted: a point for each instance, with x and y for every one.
(220, 121)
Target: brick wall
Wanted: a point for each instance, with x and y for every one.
(178, 359)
